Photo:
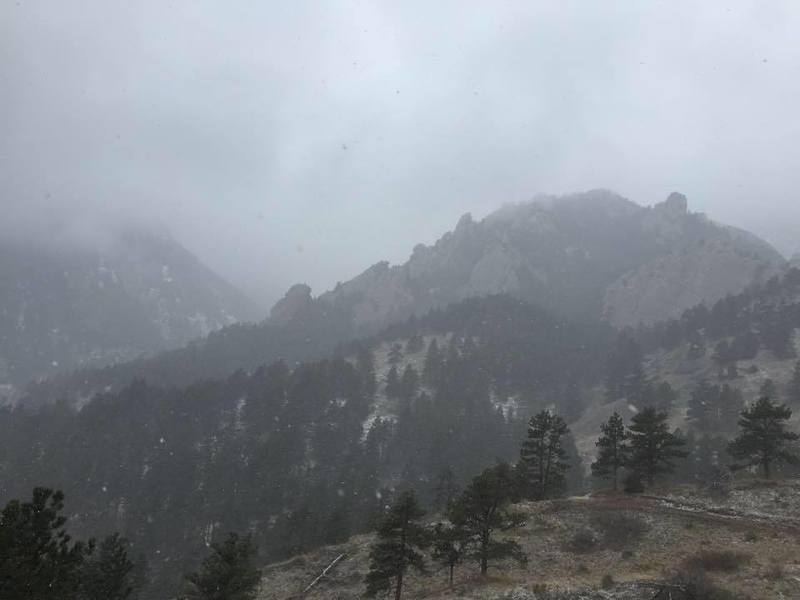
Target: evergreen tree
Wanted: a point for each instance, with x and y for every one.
(108, 574)
(433, 363)
(613, 450)
(542, 457)
(228, 574)
(400, 537)
(446, 489)
(395, 354)
(409, 383)
(392, 388)
(414, 344)
(653, 447)
(38, 560)
(763, 439)
(482, 510)
(365, 363)
(730, 402)
(793, 391)
(449, 547)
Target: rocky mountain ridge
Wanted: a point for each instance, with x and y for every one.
(582, 255)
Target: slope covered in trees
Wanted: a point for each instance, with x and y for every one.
(297, 454)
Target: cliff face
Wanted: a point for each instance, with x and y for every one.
(583, 255)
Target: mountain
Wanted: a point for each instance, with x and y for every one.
(582, 255)
(65, 305)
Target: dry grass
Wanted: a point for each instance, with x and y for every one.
(764, 566)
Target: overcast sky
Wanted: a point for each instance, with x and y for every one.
(303, 141)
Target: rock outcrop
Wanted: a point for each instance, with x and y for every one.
(583, 255)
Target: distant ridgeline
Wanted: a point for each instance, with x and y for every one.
(303, 455)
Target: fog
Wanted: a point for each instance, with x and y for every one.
(303, 141)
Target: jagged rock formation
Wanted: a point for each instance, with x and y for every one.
(584, 255)
(67, 306)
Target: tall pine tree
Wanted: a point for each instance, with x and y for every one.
(400, 537)
(38, 560)
(653, 446)
(229, 572)
(482, 510)
(108, 574)
(543, 458)
(763, 439)
(613, 450)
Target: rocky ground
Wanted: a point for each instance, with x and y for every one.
(602, 547)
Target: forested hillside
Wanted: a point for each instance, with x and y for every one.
(301, 454)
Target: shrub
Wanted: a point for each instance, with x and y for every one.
(584, 540)
(774, 572)
(607, 582)
(695, 581)
(619, 529)
(751, 536)
(725, 561)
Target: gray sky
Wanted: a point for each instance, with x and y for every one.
(303, 141)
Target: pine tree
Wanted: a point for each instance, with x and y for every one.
(726, 411)
(409, 383)
(542, 457)
(107, 575)
(793, 391)
(446, 489)
(653, 447)
(482, 510)
(38, 560)
(763, 439)
(449, 547)
(228, 574)
(703, 397)
(392, 387)
(414, 344)
(396, 550)
(613, 450)
(395, 354)
(433, 363)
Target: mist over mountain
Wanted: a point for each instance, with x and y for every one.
(68, 303)
(583, 255)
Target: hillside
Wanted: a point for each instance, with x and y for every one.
(640, 543)
(301, 454)
(66, 306)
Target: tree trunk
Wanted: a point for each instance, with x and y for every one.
(616, 485)
(767, 470)
(398, 591)
(452, 568)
